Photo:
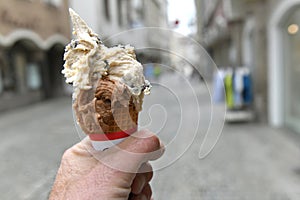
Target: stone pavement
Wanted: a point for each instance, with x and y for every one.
(250, 161)
(32, 142)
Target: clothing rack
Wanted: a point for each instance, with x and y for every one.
(233, 85)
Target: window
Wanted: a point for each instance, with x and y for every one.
(33, 78)
(106, 7)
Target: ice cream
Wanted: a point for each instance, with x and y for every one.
(109, 84)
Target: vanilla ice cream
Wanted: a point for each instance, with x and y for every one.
(87, 59)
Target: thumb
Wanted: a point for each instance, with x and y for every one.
(135, 150)
(141, 142)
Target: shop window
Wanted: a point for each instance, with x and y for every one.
(33, 77)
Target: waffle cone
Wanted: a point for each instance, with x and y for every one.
(115, 107)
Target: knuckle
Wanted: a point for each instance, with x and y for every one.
(153, 143)
(67, 154)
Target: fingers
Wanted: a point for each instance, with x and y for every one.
(137, 149)
(141, 180)
(147, 191)
(145, 194)
(146, 167)
(141, 142)
(130, 154)
(138, 183)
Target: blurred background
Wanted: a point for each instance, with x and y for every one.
(240, 57)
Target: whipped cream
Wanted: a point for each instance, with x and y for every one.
(87, 59)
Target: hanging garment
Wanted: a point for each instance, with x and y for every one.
(238, 84)
(149, 70)
(156, 71)
(218, 87)
(247, 92)
(229, 90)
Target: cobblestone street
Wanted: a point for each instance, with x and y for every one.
(250, 161)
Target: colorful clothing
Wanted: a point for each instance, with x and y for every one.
(229, 90)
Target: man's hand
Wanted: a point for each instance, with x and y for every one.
(118, 173)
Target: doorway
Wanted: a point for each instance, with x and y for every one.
(291, 68)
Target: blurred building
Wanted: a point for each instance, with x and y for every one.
(33, 34)
(124, 22)
(264, 36)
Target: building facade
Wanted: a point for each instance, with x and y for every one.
(33, 34)
(283, 63)
(264, 36)
(126, 22)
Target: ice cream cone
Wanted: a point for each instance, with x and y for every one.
(108, 114)
(115, 107)
(109, 86)
(116, 113)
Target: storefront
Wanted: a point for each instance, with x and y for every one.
(29, 73)
(284, 66)
(31, 50)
